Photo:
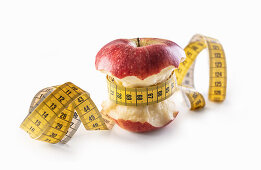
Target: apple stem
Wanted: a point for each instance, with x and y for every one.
(138, 39)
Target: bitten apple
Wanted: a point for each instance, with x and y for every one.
(140, 62)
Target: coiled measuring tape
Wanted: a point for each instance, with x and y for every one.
(56, 112)
(217, 71)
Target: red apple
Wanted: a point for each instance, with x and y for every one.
(142, 58)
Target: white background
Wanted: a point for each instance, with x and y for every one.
(45, 43)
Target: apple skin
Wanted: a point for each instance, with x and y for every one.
(138, 126)
(140, 57)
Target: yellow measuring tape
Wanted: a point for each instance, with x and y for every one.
(53, 115)
(141, 96)
(217, 71)
(56, 112)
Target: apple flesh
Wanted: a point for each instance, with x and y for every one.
(139, 126)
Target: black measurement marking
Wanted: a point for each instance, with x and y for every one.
(53, 106)
(86, 108)
(37, 123)
(63, 116)
(45, 114)
(80, 99)
(59, 126)
(128, 97)
(60, 99)
(119, 95)
(95, 125)
(91, 118)
(139, 97)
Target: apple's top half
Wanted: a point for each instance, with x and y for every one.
(140, 57)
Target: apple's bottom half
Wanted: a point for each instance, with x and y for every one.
(139, 126)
